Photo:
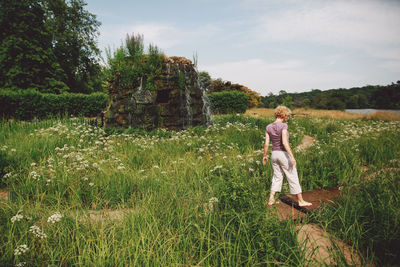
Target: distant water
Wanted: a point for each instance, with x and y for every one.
(370, 110)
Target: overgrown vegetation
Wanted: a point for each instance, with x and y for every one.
(130, 67)
(193, 197)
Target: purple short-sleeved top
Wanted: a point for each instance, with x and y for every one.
(274, 131)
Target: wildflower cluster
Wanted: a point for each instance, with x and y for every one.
(209, 207)
(56, 217)
(37, 232)
(21, 249)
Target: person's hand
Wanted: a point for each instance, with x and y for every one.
(294, 162)
(265, 160)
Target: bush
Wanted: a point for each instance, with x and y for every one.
(28, 104)
(228, 102)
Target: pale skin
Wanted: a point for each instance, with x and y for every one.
(271, 201)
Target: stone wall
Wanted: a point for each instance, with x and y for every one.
(177, 102)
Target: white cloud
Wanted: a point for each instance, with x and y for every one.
(391, 65)
(358, 24)
(291, 76)
(165, 36)
(162, 35)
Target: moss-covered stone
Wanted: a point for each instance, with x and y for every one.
(176, 101)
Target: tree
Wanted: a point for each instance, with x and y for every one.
(74, 37)
(352, 102)
(287, 101)
(205, 80)
(218, 85)
(26, 56)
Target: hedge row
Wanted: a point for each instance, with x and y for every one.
(228, 102)
(28, 104)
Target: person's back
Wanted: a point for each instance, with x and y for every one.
(274, 131)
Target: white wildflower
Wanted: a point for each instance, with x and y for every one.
(91, 184)
(56, 217)
(20, 264)
(209, 207)
(213, 200)
(16, 218)
(37, 232)
(21, 249)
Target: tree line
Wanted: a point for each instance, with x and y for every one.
(369, 96)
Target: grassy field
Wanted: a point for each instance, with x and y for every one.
(332, 114)
(190, 198)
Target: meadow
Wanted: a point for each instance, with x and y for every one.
(80, 195)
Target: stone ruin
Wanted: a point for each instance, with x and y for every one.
(177, 102)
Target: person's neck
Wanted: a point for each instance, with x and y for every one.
(279, 120)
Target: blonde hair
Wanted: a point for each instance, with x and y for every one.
(282, 112)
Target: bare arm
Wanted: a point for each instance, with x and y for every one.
(287, 146)
(266, 146)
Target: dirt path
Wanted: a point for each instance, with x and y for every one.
(306, 142)
(320, 247)
(103, 215)
(4, 195)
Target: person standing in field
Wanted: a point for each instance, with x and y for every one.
(282, 159)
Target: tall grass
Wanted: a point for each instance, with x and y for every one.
(332, 114)
(191, 197)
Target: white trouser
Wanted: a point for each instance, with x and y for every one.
(281, 163)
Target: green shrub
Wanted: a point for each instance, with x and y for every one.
(228, 102)
(29, 104)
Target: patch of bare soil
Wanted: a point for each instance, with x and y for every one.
(4, 195)
(316, 197)
(104, 214)
(306, 142)
(286, 212)
(320, 247)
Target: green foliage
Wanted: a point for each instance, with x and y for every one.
(74, 33)
(129, 67)
(388, 97)
(218, 85)
(228, 102)
(205, 80)
(29, 104)
(368, 214)
(191, 197)
(181, 80)
(287, 101)
(7, 163)
(26, 56)
(48, 45)
(379, 97)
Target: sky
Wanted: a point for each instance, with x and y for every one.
(267, 45)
